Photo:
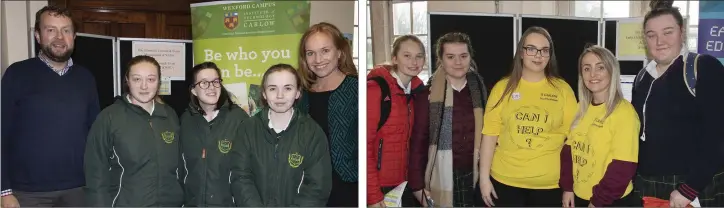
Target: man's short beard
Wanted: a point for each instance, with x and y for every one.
(48, 52)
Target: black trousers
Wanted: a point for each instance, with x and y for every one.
(630, 200)
(344, 194)
(509, 196)
(64, 198)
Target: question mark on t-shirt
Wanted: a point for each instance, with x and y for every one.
(578, 173)
(529, 142)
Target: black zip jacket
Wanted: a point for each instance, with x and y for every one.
(132, 158)
(206, 148)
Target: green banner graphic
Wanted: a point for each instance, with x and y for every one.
(246, 38)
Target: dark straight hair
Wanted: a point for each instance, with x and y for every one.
(224, 96)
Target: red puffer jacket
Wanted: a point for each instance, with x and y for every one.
(392, 139)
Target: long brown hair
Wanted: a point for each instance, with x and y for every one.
(345, 62)
(145, 59)
(453, 37)
(516, 72)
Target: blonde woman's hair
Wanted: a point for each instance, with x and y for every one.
(610, 63)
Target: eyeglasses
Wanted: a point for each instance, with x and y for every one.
(532, 51)
(205, 84)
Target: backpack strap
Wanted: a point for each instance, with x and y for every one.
(385, 108)
(385, 101)
(690, 70)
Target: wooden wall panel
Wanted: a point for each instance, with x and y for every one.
(100, 28)
(178, 32)
(132, 30)
(166, 19)
(110, 4)
(177, 26)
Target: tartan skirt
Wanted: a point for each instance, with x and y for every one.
(464, 191)
(662, 186)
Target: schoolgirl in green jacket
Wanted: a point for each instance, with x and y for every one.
(210, 128)
(283, 159)
(132, 152)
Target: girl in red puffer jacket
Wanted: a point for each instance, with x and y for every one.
(388, 135)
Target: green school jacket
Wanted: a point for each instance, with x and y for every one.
(290, 168)
(206, 154)
(132, 158)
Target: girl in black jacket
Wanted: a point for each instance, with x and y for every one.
(282, 159)
(210, 128)
(132, 152)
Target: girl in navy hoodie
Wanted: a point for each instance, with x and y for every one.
(678, 97)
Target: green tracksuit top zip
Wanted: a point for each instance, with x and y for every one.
(206, 148)
(132, 158)
(290, 168)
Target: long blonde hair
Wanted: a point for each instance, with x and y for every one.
(614, 88)
(397, 44)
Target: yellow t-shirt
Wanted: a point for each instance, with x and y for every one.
(531, 124)
(596, 142)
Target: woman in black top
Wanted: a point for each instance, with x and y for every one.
(330, 93)
(679, 98)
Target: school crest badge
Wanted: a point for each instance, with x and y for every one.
(231, 20)
(295, 159)
(224, 146)
(167, 137)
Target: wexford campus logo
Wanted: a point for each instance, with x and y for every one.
(231, 20)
